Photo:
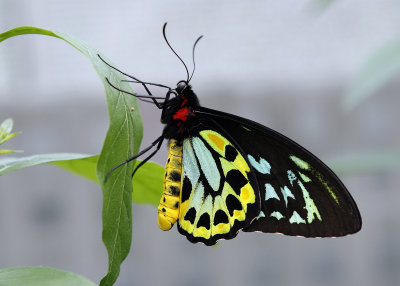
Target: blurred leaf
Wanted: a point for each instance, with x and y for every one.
(366, 162)
(10, 164)
(8, 137)
(5, 151)
(41, 276)
(318, 6)
(5, 134)
(5, 128)
(377, 71)
(122, 141)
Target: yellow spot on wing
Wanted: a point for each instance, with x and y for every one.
(201, 232)
(239, 215)
(217, 141)
(221, 228)
(244, 193)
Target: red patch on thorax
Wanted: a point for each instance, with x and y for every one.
(182, 114)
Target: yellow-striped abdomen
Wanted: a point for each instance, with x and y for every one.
(168, 210)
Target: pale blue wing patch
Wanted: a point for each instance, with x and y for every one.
(262, 166)
(207, 163)
(189, 163)
(286, 193)
(197, 197)
(270, 192)
(310, 206)
(276, 215)
(291, 176)
(296, 218)
(262, 214)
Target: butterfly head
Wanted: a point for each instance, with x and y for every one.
(182, 96)
(181, 86)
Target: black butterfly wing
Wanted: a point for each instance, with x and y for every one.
(299, 194)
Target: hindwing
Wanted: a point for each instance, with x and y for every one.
(217, 196)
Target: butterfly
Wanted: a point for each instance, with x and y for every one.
(226, 174)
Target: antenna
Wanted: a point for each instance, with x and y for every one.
(165, 38)
(194, 63)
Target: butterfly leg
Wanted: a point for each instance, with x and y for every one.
(160, 141)
(157, 142)
(159, 105)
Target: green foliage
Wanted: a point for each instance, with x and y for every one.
(40, 276)
(122, 141)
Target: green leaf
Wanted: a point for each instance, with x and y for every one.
(26, 30)
(366, 162)
(85, 167)
(377, 71)
(148, 183)
(122, 141)
(10, 164)
(41, 276)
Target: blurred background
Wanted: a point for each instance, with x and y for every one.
(289, 65)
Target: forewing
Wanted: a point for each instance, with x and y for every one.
(299, 194)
